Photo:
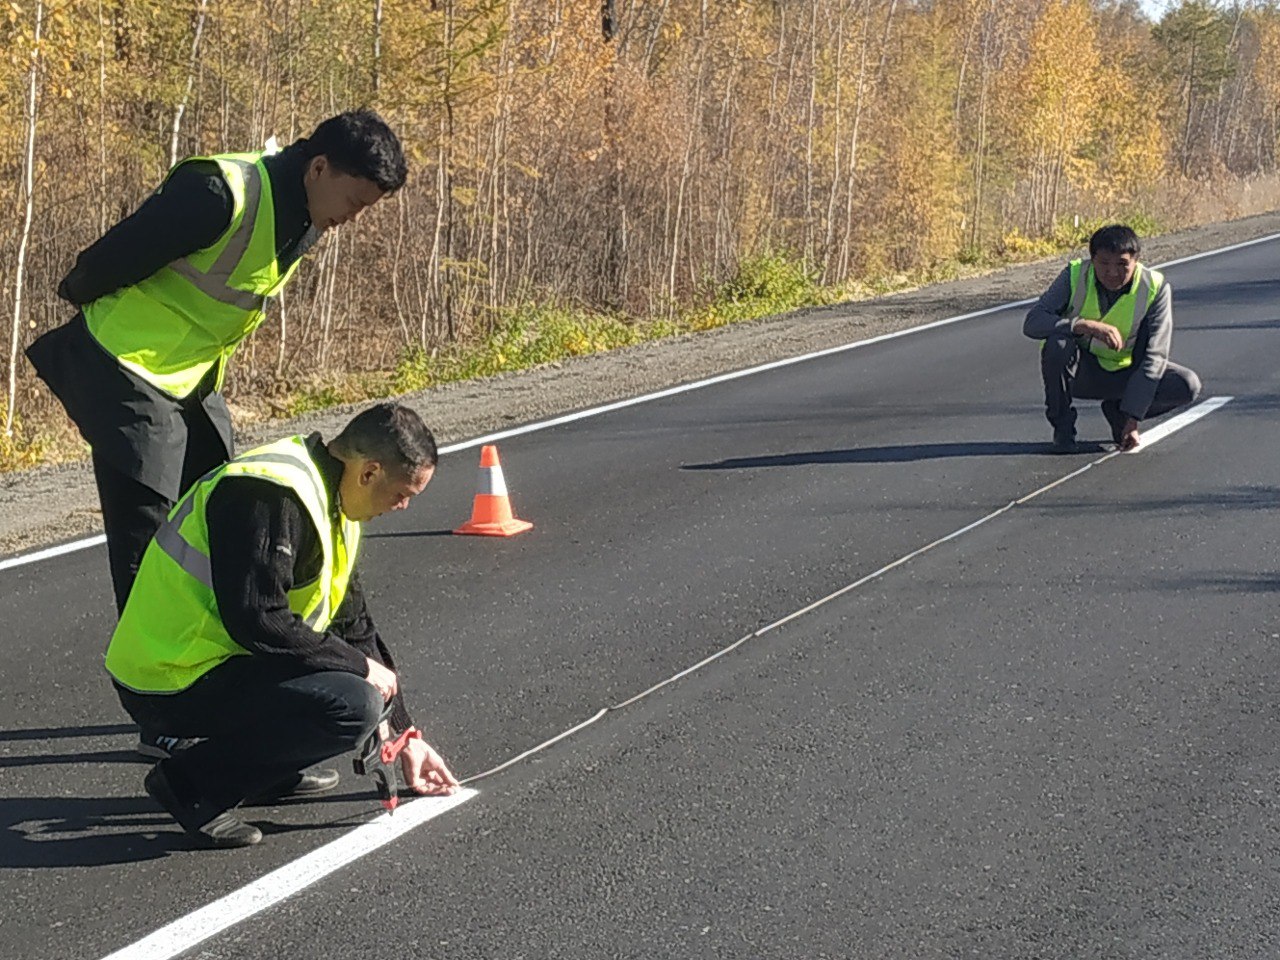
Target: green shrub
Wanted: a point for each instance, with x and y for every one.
(769, 283)
(20, 449)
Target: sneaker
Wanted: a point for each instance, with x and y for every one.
(155, 746)
(228, 831)
(300, 786)
(1064, 440)
(207, 827)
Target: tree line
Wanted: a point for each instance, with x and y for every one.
(619, 156)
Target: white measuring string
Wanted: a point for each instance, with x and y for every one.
(1151, 437)
(196, 927)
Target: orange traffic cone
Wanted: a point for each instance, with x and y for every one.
(491, 511)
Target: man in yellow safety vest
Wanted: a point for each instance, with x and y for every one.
(166, 296)
(247, 632)
(1107, 327)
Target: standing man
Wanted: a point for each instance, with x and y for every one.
(1107, 327)
(167, 295)
(247, 627)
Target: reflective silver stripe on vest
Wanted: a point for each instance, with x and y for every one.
(214, 284)
(1139, 306)
(169, 539)
(307, 467)
(1081, 291)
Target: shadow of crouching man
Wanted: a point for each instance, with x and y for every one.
(73, 831)
(53, 832)
(58, 832)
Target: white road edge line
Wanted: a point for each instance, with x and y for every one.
(52, 552)
(194, 928)
(683, 388)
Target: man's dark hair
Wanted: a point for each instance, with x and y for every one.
(1116, 238)
(391, 434)
(360, 144)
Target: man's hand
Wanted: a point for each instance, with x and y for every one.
(1105, 332)
(1129, 438)
(382, 678)
(424, 771)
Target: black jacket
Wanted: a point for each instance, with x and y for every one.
(262, 543)
(134, 427)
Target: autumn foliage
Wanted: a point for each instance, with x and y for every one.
(630, 176)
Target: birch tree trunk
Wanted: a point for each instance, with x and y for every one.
(191, 77)
(102, 124)
(29, 169)
(377, 46)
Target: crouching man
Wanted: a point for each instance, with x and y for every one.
(1107, 327)
(247, 628)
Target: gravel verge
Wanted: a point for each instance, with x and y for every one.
(47, 505)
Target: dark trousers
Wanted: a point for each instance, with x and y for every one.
(1072, 373)
(132, 512)
(262, 722)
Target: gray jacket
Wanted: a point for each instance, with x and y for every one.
(1049, 318)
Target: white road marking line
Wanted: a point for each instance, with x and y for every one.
(673, 391)
(52, 552)
(194, 928)
(1176, 423)
(1215, 252)
(1173, 424)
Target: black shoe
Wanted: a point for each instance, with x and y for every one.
(226, 831)
(308, 783)
(155, 746)
(1115, 419)
(1064, 440)
(208, 827)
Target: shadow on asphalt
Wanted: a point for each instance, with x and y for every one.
(1224, 583)
(52, 832)
(79, 831)
(56, 733)
(1217, 294)
(1264, 403)
(79, 759)
(903, 454)
(408, 533)
(1247, 325)
(1262, 497)
(84, 831)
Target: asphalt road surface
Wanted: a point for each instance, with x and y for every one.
(1052, 736)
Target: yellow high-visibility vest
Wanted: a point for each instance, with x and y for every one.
(170, 633)
(173, 326)
(1125, 314)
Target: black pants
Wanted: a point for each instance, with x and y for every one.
(1070, 372)
(262, 722)
(132, 512)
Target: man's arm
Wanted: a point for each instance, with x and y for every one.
(1154, 342)
(1046, 318)
(189, 211)
(354, 624)
(424, 770)
(259, 538)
